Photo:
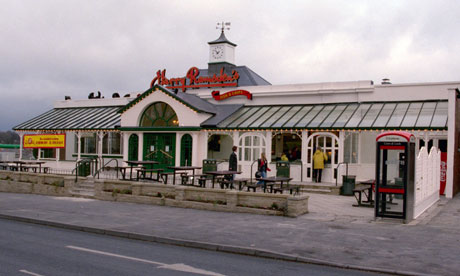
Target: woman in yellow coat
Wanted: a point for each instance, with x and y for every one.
(318, 164)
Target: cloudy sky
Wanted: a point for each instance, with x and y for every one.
(50, 49)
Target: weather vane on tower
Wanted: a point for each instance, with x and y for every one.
(223, 26)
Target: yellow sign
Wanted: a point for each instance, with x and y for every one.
(44, 141)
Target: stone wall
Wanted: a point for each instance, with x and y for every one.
(32, 183)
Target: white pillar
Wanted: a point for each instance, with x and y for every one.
(177, 153)
(452, 96)
(140, 154)
(341, 155)
(21, 143)
(125, 145)
(100, 135)
(78, 146)
(304, 154)
(268, 145)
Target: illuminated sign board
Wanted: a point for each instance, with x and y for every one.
(34, 141)
(194, 80)
(216, 94)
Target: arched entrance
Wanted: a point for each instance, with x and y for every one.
(329, 142)
(186, 150)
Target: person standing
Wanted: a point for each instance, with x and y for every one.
(233, 162)
(262, 167)
(318, 164)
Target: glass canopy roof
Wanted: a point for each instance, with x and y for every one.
(375, 115)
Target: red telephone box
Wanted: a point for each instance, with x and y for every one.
(395, 173)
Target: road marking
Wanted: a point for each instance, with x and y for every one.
(28, 272)
(177, 267)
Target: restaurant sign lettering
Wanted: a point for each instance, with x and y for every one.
(216, 94)
(194, 80)
(34, 141)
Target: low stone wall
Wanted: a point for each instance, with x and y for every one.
(159, 194)
(202, 198)
(32, 183)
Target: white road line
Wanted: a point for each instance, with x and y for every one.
(30, 273)
(177, 267)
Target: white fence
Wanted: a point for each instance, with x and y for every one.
(427, 178)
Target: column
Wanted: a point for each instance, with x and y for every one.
(100, 135)
(78, 146)
(21, 143)
(195, 149)
(268, 145)
(451, 145)
(125, 145)
(304, 154)
(341, 155)
(177, 153)
(140, 154)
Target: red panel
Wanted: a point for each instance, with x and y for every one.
(391, 190)
(392, 147)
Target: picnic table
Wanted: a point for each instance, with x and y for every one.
(274, 180)
(183, 168)
(366, 188)
(132, 164)
(216, 174)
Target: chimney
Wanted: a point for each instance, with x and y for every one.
(386, 81)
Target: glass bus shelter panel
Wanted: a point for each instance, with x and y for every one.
(333, 116)
(243, 118)
(384, 115)
(260, 112)
(358, 116)
(299, 115)
(426, 115)
(290, 113)
(369, 119)
(267, 114)
(275, 116)
(233, 117)
(440, 115)
(411, 115)
(346, 115)
(321, 116)
(306, 120)
(398, 115)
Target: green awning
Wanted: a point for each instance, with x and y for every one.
(366, 115)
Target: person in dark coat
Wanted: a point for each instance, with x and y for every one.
(233, 161)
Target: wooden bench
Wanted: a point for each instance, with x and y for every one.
(290, 187)
(358, 191)
(142, 174)
(231, 183)
(35, 168)
(164, 176)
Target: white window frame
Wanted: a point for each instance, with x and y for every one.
(254, 151)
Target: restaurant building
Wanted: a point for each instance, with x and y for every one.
(201, 115)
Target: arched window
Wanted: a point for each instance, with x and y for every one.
(159, 114)
(133, 147)
(250, 147)
(112, 143)
(186, 150)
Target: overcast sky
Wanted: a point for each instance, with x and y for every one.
(50, 49)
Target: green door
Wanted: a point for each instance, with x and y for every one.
(160, 147)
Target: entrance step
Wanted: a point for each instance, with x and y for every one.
(316, 188)
(84, 189)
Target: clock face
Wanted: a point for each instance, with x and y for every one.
(217, 52)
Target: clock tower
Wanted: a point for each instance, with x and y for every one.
(221, 53)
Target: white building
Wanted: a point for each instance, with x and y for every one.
(183, 120)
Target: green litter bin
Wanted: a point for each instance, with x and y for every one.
(348, 185)
(209, 165)
(283, 169)
(84, 169)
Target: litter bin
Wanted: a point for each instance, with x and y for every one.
(84, 169)
(283, 169)
(348, 185)
(209, 165)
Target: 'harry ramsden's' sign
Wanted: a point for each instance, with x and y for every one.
(193, 80)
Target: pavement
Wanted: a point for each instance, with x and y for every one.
(333, 232)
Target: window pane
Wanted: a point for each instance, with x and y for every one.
(287, 116)
(256, 154)
(247, 141)
(247, 154)
(411, 115)
(243, 118)
(358, 116)
(305, 120)
(398, 115)
(426, 114)
(292, 122)
(346, 115)
(234, 116)
(275, 116)
(371, 115)
(321, 116)
(256, 141)
(267, 115)
(384, 115)
(254, 117)
(333, 116)
(440, 115)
